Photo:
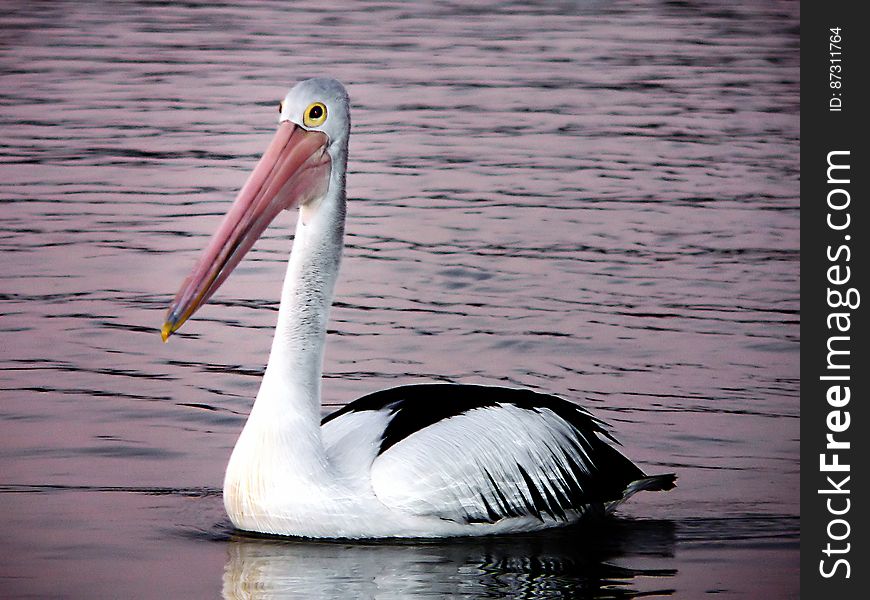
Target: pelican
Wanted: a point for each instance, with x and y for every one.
(426, 460)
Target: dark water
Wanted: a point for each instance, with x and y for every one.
(597, 199)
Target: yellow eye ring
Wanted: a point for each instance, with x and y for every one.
(314, 115)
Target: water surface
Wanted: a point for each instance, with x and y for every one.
(598, 200)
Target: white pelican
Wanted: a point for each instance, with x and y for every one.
(430, 460)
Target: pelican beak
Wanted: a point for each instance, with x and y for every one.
(293, 172)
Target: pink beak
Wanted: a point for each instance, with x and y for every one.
(293, 171)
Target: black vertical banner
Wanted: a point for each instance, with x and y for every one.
(835, 300)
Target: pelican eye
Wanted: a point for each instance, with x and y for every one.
(314, 115)
(280, 107)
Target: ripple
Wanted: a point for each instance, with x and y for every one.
(541, 195)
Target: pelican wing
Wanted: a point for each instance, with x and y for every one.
(479, 454)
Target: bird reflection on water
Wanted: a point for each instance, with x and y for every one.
(584, 561)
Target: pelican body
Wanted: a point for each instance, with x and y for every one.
(430, 460)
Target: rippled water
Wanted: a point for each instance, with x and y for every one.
(596, 199)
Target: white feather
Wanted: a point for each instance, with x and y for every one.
(463, 467)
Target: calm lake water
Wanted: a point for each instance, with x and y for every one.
(596, 199)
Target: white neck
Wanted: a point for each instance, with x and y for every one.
(287, 408)
(280, 453)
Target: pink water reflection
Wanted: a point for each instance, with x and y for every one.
(539, 197)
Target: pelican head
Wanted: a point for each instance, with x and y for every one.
(319, 105)
(305, 161)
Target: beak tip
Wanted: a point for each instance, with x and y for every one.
(166, 331)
